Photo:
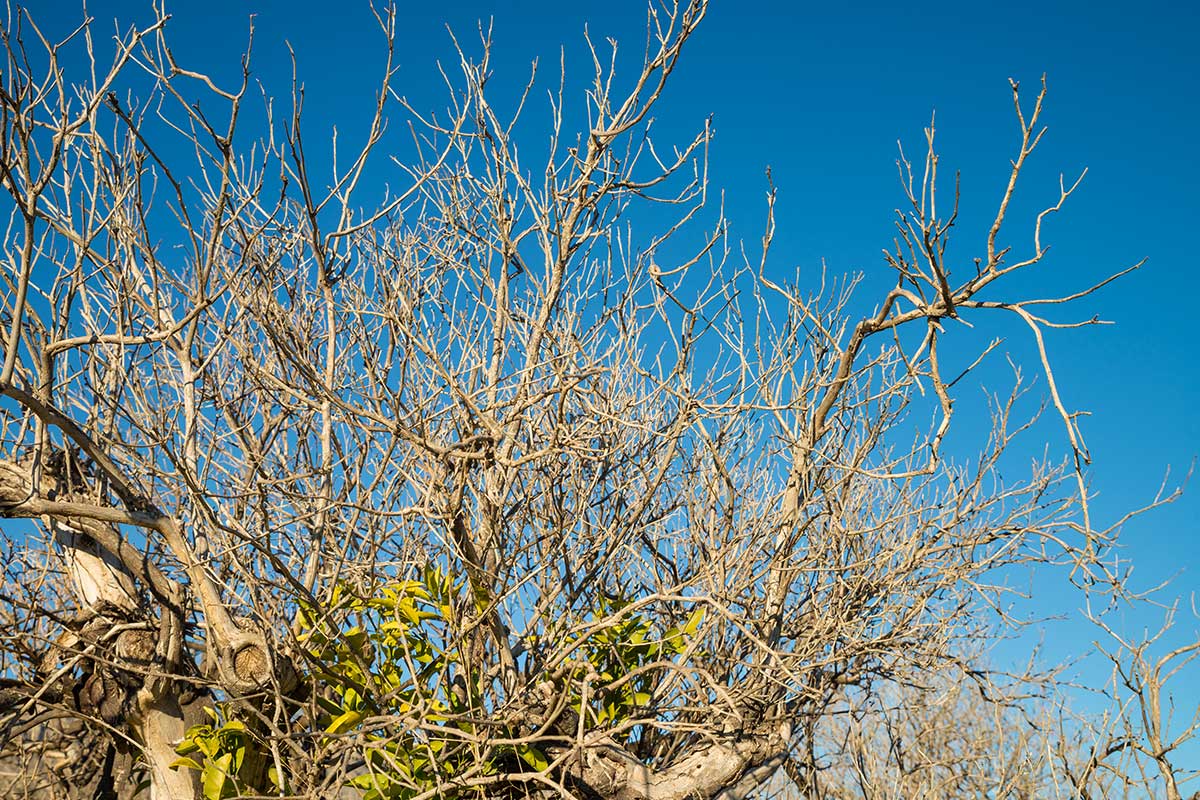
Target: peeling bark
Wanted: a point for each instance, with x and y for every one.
(162, 727)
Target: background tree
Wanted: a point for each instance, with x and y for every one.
(521, 479)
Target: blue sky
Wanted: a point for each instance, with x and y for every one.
(821, 93)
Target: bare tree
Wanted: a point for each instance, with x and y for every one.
(953, 734)
(474, 487)
(1135, 742)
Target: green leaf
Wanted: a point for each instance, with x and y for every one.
(239, 757)
(207, 742)
(414, 589)
(409, 610)
(345, 721)
(216, 776)
(185, 762)
(534, 758)
(188, 745)
(328, 706)
(356, 638)
(693, 623)
(362, 781)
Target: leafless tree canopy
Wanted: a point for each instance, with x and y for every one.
(520, 478)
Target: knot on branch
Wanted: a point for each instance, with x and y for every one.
(246, 667)
(103, 696)
(116, 658)
(250, 664)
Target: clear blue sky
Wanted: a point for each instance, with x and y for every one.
(821, 92)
